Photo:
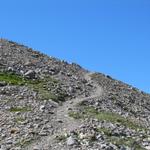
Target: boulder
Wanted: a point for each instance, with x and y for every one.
(71, 141)
(30, 74)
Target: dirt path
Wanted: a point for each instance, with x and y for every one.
(67, 123)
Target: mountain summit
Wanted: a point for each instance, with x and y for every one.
(49, 104)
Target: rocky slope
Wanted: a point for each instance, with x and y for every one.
(48, 104)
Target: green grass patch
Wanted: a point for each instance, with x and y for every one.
(24, 142)
(127, 141)
(11, 78)
(27, 142)
(120, 140)
(111, 117)
(88, 112)
(106, 131)
(20, 109)
(19, 119)
(75, 115)
(41, 86)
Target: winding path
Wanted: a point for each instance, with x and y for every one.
(68, 124)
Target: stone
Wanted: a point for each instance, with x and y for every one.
(147, 147)
(36, 148)
(123, 148)
(69, 108)
(59, 121)
(71, 90)
(42, 107)
(30, 74)
(71, 141)
(9, 141)
(10, 69)
(2, 147)
(17, 148)
(43, 133)
(2, 83)
(82, 136)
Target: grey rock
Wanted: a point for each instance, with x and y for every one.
(30, 74)
(9, 141)
(71, 141)
(123, 148)
(36, 148)
(42, 107)
(43, 133)
(10, 69)
(2, 83)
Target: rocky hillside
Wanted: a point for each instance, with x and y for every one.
(49, 104)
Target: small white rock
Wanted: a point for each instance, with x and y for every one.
(71, 141)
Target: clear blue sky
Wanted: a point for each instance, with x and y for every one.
(109, 36)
